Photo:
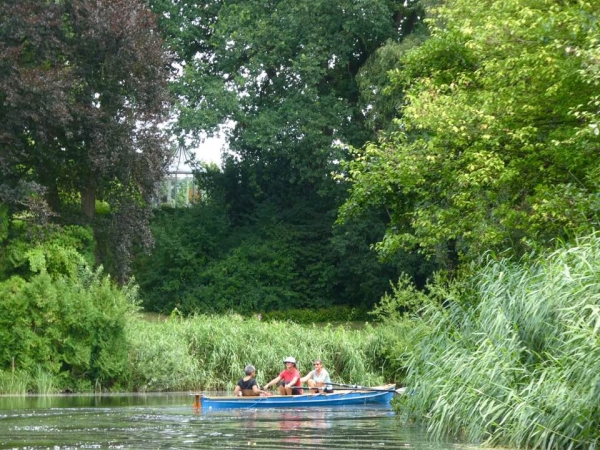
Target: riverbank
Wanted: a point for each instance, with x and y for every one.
(210, 353)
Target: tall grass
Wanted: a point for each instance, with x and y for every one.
(211, 352)
(45, 383)
(519, 364)
(14, 383)
(21, 382)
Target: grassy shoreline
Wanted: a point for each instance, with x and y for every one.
(210, 353)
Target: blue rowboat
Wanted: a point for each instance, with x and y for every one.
(364, 396)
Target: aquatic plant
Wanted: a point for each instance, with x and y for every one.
(518, 364)
(14, 382)
(45, 383)
(210, 352)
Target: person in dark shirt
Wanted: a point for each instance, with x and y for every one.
(248, 386)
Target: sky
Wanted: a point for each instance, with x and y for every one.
(210, 150)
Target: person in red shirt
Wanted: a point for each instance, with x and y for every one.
(288, 379)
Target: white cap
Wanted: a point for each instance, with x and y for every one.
(290, 359)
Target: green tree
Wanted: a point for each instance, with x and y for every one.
(285, 75)
(496, 146)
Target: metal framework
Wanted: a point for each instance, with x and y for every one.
(178, 188)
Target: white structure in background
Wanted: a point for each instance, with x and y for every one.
(179, 188)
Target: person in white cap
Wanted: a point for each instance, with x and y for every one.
(288, 379)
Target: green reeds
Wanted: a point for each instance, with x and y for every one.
(211, 352)
(44, 382)
(14, 383)
(520, 365)
(21, 383)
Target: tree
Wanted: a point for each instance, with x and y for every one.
(83, 90)
(285, 75)
(283, 72)
(496, 147)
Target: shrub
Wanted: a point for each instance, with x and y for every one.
(72, 327)
(62, 323)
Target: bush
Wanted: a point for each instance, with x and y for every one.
(62, 323)
(67, 327)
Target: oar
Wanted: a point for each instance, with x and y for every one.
(343, 387)
(348, 387)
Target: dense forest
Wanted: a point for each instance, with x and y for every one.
(429, 165)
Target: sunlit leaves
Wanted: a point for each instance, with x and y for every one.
(499, 129)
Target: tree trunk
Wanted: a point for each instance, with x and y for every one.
(52, 196)
(88, 201)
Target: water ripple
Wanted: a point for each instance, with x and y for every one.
(170, 422)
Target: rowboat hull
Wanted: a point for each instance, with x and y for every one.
(380, 395)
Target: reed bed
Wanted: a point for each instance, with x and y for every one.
(14, 383)
(518, 364)
(45, 383)
(20, 382)
(210, 353)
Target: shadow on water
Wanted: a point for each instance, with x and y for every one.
(169, 421)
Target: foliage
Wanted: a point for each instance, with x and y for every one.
(61, 322)
(55, 250)
(331, 314)
(391, 346)
(279, 261)
(290, 101)
(495, 148)
(361, 277)
(14, 382)
(67, 327)
(83, 89)
(519, 365)
(186, 240)
(381, 104)
(216, 268)
(4, 220)
(58, 252)
(270, 87)
(404, 300)
(210, 352)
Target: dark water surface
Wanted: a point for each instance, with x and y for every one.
(157, 421)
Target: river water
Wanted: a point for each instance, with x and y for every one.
(168, 421)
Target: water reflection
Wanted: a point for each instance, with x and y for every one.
(169, 421)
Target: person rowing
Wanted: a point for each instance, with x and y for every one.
(247, 386)
(318, 379)
(288, 379)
